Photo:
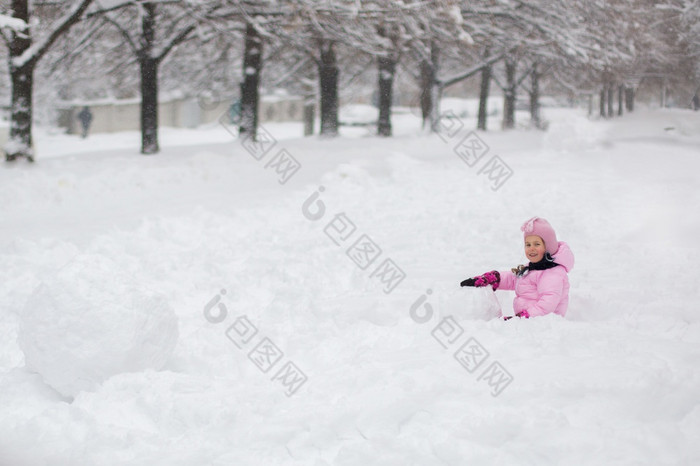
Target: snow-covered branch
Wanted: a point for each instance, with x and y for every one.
(38, 49)
(174, 42)
(470, 72)
(14, 24)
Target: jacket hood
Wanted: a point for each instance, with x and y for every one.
(564, 256)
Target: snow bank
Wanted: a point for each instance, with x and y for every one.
(572, 131)
(92, 321)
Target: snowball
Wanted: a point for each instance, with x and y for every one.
(469, 303)
(92, 321)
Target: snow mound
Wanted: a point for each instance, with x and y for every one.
(92, 321)
(572, 131)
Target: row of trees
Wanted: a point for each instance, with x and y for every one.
(318, 47)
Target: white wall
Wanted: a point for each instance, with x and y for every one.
(4, 136)
(109, 117)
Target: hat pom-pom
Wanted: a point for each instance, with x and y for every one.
(529, 225)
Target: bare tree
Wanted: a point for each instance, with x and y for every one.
(26, 48)
(152, 30)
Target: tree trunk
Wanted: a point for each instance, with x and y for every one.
(328, 77)
(484, 96)
(149, 83)
(430, 90)
(611, 99)
(602, 103)
(20, 144)
(436, 91)
(663, 93)
(510, 95)
(426, 104)
(535, 98)
(149, 106)
(629, 99)
(252, 65)
(387, 69)
(620, 93)
(22, 78)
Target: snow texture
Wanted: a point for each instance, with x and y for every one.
(614, 382)
(91, 321)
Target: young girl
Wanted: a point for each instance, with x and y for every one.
(541, 287)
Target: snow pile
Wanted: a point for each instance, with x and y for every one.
(570, 131)
(90, 322)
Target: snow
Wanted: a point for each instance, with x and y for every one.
(456, 14)
(14, 146)
(385, 377)
(466, 108)
(358, 114)
(12, 23)
(465, 37)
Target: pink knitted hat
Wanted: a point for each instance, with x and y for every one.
(541, 227)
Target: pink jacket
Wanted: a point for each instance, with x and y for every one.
(541, 292)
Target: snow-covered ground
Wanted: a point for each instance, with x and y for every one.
(213, 233)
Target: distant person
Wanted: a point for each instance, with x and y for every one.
(85, 117)
(696, 102)
(234, 112)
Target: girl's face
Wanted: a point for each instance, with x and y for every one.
(534, 248)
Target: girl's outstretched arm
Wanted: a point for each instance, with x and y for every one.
(507, 280)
